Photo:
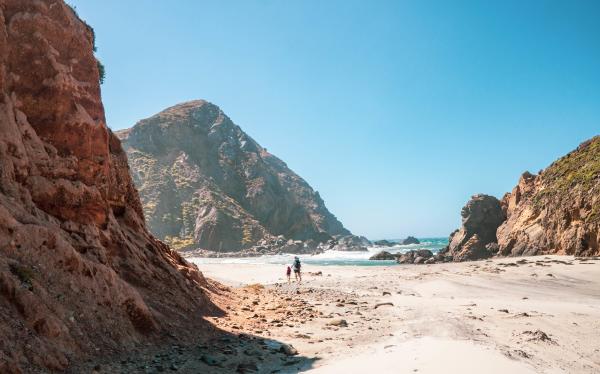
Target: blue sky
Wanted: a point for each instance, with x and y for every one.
(395, 111)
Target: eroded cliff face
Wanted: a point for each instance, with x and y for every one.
(557, 211)
(204, 183)
(80, 275)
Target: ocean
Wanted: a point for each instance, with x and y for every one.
(334, 257)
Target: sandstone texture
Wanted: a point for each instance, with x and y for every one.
(204, 183)
(557, 211)
(480, 219)
(80, 275)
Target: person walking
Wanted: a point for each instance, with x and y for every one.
(297, 272)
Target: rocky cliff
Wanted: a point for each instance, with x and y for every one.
(555, 212)
(204, 183)
(80, 276)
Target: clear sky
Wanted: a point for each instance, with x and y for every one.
(395, 111)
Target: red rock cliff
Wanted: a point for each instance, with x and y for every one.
(79, 273)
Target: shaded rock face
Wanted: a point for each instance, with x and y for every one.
(481, 217)
(205, 183)
(383, 255)
(80, 275)
(557, 211)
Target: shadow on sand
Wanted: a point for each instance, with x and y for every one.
(217, 351)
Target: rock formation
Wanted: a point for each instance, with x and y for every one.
(410, 240)
(480, 219)
(205, 183)
(383, 255)
(557, 211)
(384, 243)
(421, 256)
(80, 276)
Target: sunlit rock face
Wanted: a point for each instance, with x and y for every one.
(557, 211)
(554, 212)
(80, 275)
(204, 183)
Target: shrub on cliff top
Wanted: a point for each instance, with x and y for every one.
(101, 71)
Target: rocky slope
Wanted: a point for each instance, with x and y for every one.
(204, 183)
(555, 212)
(80, 276)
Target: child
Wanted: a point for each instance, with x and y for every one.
(288, 272)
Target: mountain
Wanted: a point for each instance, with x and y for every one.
(554, 212)
(204, 183)
(80, 275)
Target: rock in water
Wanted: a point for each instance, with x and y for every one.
(350, 243)
(383, 243)
(557, 211)
(204, 183)
(80, 276)
(410, 240)
(480, 219)
(383, 255)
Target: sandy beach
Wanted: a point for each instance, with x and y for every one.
(520, 315)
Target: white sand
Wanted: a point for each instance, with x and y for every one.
(476, 317)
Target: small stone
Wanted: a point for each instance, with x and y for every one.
(209, 360)
(338, 323)
(288, 350)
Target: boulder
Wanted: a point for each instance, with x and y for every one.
(481, 217)
(410, 240)
(415, 256)
(383, 243)
(351, 243)
(383, 255)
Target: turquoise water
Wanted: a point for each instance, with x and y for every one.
(333, 257)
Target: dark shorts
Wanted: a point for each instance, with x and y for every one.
(296, 270)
